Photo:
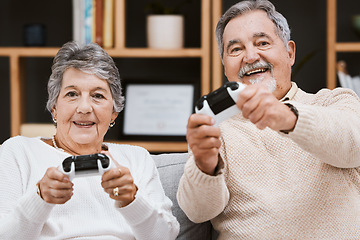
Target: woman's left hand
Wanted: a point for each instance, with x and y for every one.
(119, 184)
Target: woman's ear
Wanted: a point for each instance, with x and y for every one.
(114, 116)
(53, 113)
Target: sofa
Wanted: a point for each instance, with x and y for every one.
(171, 167)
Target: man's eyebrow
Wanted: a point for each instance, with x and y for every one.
(261, 34)
(232, 42)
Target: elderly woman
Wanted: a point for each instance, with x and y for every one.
(38, 201)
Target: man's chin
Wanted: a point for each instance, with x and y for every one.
(270, 83)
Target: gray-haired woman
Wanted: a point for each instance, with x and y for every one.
(39, 201)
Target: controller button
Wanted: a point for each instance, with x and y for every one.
(200, 103)
(234, 86)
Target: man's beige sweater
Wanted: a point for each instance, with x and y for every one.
(301, 185)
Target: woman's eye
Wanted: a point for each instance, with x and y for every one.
(98, 96)
(71, 94)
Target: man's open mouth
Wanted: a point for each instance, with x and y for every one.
(255, 71)
(255, 68)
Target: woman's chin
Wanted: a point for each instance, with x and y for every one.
(86, 139)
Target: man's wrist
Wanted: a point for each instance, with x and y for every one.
(296, 113)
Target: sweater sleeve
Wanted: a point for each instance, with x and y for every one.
(331, 130)
(202, 197)
(22, 212)
(149, 215)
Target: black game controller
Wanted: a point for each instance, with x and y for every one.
(85, 165)
(221, 103)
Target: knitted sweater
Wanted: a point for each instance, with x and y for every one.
(90, 213)
(301, 185)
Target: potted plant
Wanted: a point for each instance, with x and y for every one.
(165, 25)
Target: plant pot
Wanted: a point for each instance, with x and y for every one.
(165, 31)
(356, 23)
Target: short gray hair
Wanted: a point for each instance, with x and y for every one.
(90, 58)
(281, 25)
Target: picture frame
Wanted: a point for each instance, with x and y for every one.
(156, 110)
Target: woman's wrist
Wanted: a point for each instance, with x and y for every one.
(38, 190)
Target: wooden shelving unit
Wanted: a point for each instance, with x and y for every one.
(16, 56)
(333, 47)
(217, 69)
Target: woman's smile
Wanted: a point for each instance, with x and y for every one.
(83, 124)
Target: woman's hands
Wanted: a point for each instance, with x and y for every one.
(55, 187)
(119, 184)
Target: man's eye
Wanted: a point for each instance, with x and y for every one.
(234, 51)
(263, 44)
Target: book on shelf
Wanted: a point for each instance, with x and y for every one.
(108, 27)
(88, 21)
(99, 14)
(347, 81)
(78, 21)
(93, 21)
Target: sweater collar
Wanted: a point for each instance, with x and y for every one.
(291, 93)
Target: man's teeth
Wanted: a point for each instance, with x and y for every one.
(255, 71)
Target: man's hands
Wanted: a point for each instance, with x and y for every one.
(257, 104)
(263, 109)
(204, 142)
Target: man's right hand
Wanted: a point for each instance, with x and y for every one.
(204, 142)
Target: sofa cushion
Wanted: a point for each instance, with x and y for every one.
(171, 167)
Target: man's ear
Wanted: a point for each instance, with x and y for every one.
(291, 51)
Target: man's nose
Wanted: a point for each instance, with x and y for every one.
(251, 54)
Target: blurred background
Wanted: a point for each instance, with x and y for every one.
(307, 20)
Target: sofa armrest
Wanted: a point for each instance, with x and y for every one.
(171, 168)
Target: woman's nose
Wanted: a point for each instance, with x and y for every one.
(84, 105)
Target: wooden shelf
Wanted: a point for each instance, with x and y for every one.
(333, 47)
(126, 52)
(347, 47)
(158, 146)
(48, 130)
(17, 55)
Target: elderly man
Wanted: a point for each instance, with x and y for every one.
(287, 166)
